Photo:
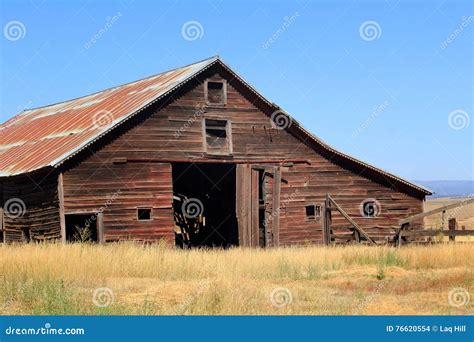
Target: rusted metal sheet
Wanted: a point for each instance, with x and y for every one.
(48, 135)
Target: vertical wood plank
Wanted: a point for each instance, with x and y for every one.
(62, 218)
(100, 228)
(254, 231)
(243, 204)
(2, 224)
(452, 227)
(276, 205)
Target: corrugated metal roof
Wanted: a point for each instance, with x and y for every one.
(47, 136)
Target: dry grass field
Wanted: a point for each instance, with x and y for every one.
(128, 278)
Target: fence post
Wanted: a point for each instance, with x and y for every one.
(452, 228)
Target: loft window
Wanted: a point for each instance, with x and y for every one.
(216, 92)
(217, 136)
(313, 211)
(144, 214)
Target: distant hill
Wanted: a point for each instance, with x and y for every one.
(448, 188)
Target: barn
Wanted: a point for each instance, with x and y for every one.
(194, 156)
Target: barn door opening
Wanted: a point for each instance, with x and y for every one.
(81, 228)
(204, 205)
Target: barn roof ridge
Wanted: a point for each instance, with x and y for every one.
(16, 152)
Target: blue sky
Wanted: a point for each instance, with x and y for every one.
(379, 80)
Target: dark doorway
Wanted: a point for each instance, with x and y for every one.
(81, 227)
(204, 205)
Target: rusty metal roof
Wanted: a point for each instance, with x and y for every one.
(47, 136)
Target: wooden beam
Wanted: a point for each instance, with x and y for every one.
(62, 217)
(210, 160)
(241, 196)
(436, 232)
(276, 206)
(327, 221)
(100, 228)
(352, 222)
(2, 224)
(254, 229)
(435, 211)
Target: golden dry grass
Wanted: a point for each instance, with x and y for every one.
(61, 279)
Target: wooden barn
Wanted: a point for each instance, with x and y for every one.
(194, 156)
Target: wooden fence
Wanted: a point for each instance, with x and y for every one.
(406, 232)
(409, 234)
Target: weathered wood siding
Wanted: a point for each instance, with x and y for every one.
(36, 197)
(176, 132)
(117, 190)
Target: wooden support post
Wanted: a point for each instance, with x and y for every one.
(254, 230)
(276, 206)
(404, 227)
(62, 217)
(443, 219)
(452, 227)
(327, 222)
(100, 228)
(357, 236)
(2, 224)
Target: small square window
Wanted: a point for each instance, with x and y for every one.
(216, 93)
(217, 136)
(313, 211)
(144, 214)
